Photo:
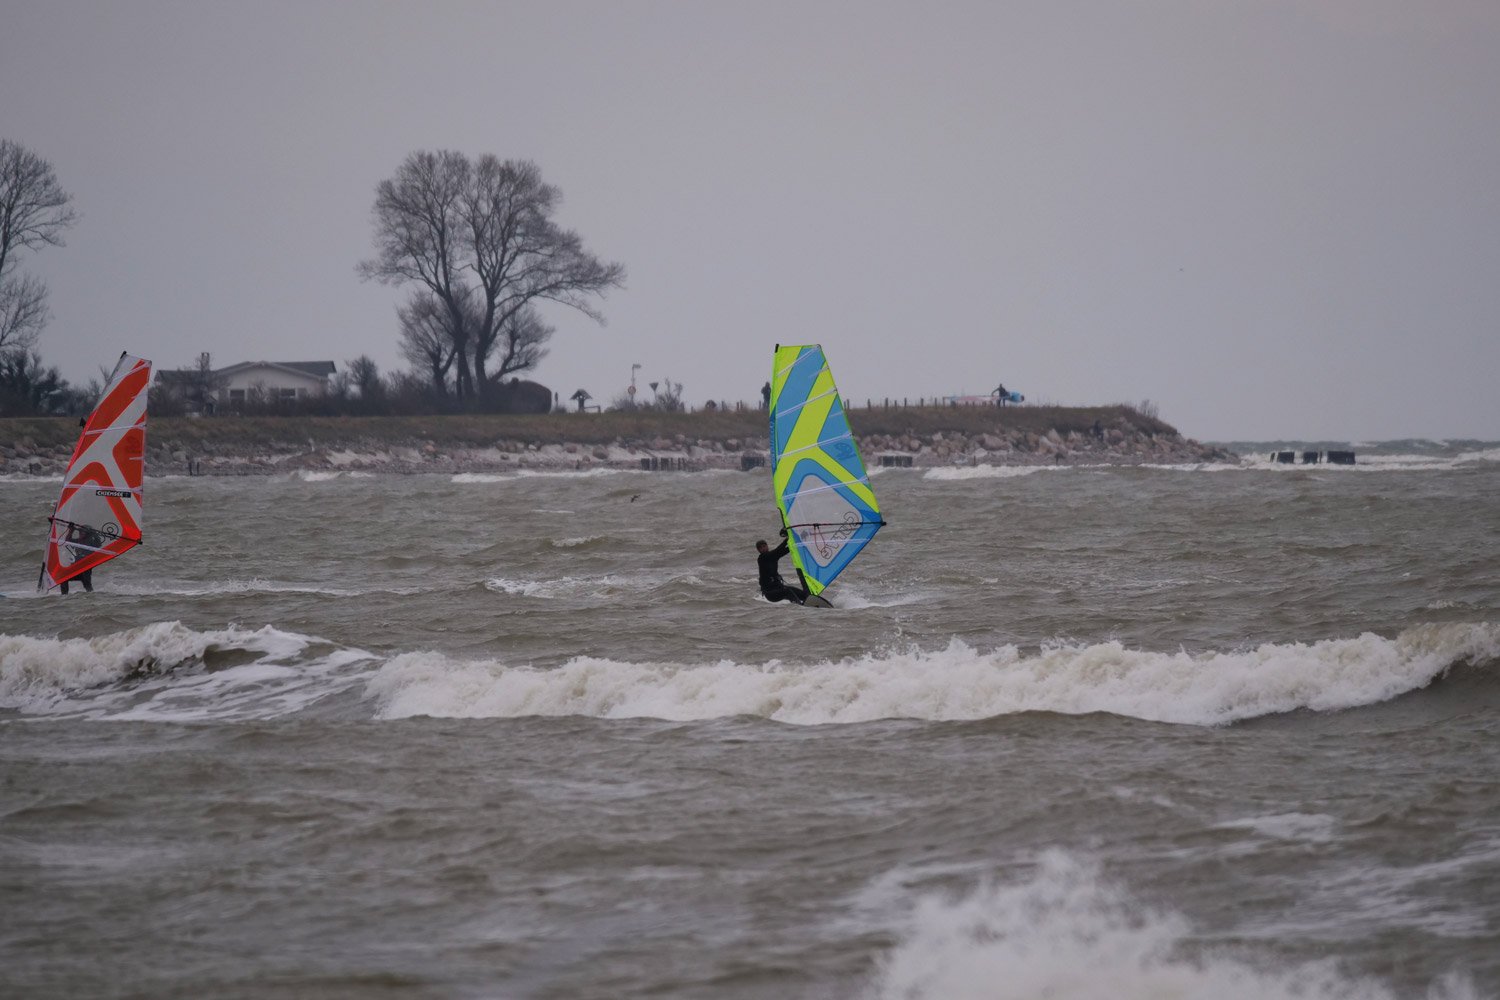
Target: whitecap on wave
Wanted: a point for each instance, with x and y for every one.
(509, 477)
(1066, 932)
(169, 672)
(961, 472)
(323, 475)
(953, 683)
(1377, 462)
(26, 480)
(254, 585)
(573, 543)
(850, 598)
(1315, 828)
(210, 588)
(602, 587)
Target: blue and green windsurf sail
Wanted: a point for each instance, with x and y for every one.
(819, 480)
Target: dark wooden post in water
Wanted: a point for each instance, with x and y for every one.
(1309, 458)
(1284, 457)
(1340, 458)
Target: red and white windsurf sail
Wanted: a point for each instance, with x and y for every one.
(98, 515)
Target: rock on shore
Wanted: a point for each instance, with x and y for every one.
(940, 448)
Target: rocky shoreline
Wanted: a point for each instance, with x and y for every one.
(679, 452)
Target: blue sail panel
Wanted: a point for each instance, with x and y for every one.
(819, 481)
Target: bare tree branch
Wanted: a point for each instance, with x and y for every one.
(364, 375)
(521, 256)
(23, 313)
(34, 213)
(479, 237)
(426, 342)
(522, 343)
(418, 230)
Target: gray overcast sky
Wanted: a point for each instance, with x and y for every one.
(1272, 218)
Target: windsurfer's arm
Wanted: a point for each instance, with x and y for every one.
(783, 548)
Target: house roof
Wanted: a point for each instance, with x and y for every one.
(314, 369)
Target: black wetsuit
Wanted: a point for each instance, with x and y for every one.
(86, 578)
(87, 537)
(772, 586)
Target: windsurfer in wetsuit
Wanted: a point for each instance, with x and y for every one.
(85, 536)
(772, 586)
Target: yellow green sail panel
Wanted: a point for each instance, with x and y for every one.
(820, 483)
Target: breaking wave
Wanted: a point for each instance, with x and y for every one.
(955, 683)
(1068, 933)
(170, 672)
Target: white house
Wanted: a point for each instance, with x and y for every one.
(266, 381)
(204, 390)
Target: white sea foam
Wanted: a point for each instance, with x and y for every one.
(953, 683)
(154, 673)
(209, 588)
(850, 598)
(325, 475)
(509, 477)
(525, 588)
(1488, 455)
(1067, 933)
(1366, 462)
(1199, 467)
(954, 473)
(601, 587)
(1313, 827)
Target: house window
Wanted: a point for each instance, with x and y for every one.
(288, 393)
(237, 395)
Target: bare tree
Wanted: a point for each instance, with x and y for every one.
(199, 384)
(480, 238)
(364, 374)
(418, 238)
(34, 213)
(427, 340)
(521, 256)
(521, 344)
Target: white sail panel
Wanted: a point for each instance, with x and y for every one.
(98, 513)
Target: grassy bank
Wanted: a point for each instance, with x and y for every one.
(244, 434)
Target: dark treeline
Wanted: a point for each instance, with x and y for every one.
(28, 388)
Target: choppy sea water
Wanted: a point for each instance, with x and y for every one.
(1211, 731)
